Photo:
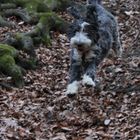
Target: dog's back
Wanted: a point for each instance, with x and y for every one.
(105, 18)
(107, 25)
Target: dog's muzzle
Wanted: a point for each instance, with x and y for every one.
(81, 42)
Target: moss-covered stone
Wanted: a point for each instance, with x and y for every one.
(20, 13)
(4, 23)
(33, 5)
(8, 50)
(49, 21)
(36, 6)
(57, 4)
(44, 27)
(8, 66)
(24, 42)
(30, 63)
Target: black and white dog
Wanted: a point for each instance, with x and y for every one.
(91, 38)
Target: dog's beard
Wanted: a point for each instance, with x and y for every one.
(83, 35)
(80, 41)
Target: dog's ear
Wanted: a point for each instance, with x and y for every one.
(69, 31)
(78, 11)
(92, 19)
(91, 12)
(72, 29)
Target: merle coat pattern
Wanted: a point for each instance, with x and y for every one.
(91, 38)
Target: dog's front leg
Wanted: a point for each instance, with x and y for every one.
(75, 72)
(89, 73)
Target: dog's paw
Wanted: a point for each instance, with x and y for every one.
(72, 88)
(88, 81)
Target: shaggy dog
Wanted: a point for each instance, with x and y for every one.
(91, 37)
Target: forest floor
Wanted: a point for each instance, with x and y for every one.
(41, 111)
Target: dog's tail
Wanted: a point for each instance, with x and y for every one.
(94, 2)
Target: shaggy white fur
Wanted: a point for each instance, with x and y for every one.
(88, 81)
(73, 88)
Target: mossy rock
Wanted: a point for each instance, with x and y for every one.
(8, 50)
(27, 64)
(31, 5)
(36, 6)
(57, 4)
(24, 42)
(50, 21)
(9, 67)
(52, 4)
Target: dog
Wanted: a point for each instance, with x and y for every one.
(91, 35)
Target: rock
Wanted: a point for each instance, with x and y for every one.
(107, 122)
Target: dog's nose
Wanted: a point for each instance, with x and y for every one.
(79, 45)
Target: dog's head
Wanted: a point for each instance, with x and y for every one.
(83, 32)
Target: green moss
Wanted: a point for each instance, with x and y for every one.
(17, 76)
(40, 5)
(51, 3)
(8, 50)
(43, 27)
(32, 63)
(51, 19)
(6, 61)
(57, 4)
(46, 39)
(59, 23)
(31, 6)
(46, 17)
(36, 6)
(48, 21)
(24, 42)
(8, 66)
(18, 36)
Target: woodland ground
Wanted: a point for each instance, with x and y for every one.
(41, 111)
